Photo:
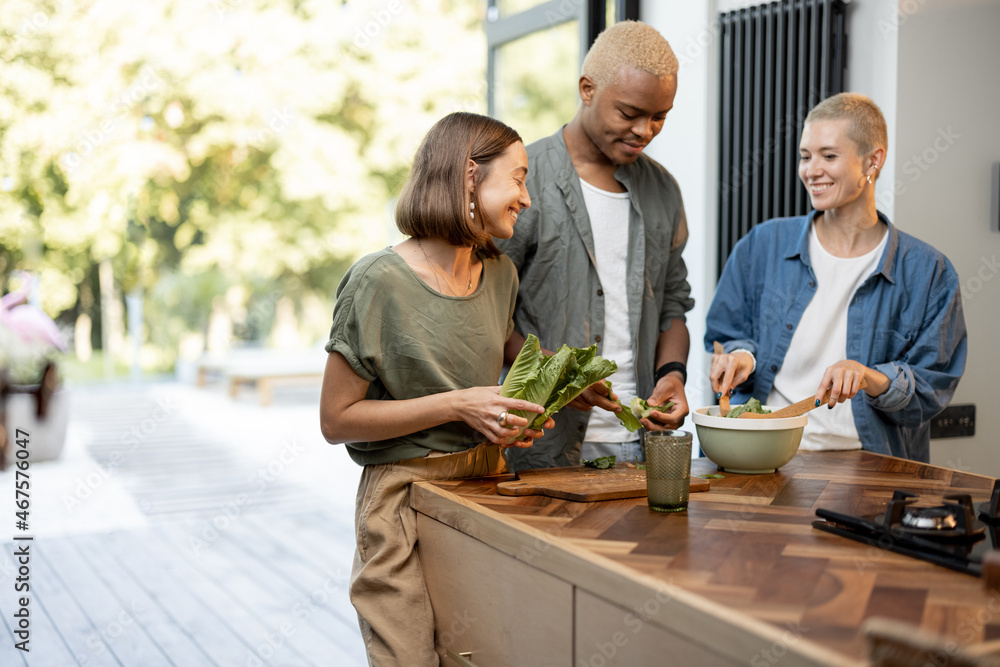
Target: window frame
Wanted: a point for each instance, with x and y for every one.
(547, 15)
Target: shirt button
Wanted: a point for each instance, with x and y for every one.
(789, 327)
(600, 292)
(597, 339)
(774, 368)
(812, 283)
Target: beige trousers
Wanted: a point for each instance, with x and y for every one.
(387, 584)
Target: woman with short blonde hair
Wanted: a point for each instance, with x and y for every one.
(841, 304)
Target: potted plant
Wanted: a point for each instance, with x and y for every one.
(31, 399)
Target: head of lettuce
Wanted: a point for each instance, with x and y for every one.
(552, 380)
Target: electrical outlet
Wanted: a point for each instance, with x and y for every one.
(955, 421)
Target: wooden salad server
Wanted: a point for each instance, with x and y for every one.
(795, 409)
(724, 399)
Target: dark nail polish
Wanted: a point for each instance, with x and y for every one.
(718, 394)
(817, 402)
(829, 407)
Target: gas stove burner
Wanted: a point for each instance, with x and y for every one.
(930, 518)
(948, 535)
(950, 522)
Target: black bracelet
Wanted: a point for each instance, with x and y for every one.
(670, 367)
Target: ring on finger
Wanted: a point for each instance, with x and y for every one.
(502, 419)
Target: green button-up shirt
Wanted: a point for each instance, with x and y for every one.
(561, 299)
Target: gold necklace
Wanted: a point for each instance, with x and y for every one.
(435, 271)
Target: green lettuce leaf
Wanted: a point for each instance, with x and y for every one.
(753, 405)
(641, 409)
(525, 366)
(601, 462)
(627, 419)
(553, 380)
(575, 378)
(584, 355)
(531, 376)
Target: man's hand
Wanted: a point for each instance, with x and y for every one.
(669, 388)
(596, 395)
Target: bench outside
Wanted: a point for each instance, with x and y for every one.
(264, 369)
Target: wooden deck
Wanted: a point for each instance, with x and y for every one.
(183, 528)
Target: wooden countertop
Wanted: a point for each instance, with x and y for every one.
(744, 563)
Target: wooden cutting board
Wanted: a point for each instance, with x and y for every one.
(584, 484)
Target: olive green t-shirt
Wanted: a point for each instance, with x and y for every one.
(408, 340)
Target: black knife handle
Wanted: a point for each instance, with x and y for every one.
(951, 562)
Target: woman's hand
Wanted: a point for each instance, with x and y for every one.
(843, 382)
(729, 370)
(481, 407)
(529, 435)
(347, 416)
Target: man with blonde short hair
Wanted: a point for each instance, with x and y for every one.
(599, 251)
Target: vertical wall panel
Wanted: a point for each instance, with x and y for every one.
(745, 168)
(755, 163)
(726, 140)
(767, 161)
(780, 93)
(792, 58)
(801, 92)
(777, 61)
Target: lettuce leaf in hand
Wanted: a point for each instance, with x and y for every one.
(533, 376)
(575, 379)
(627, 419)
(524, 368)
(641, 409)
(636, 410)
(554, 380)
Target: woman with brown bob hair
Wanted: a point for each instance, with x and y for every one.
(415, 355)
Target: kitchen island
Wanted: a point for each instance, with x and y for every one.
(741, 578)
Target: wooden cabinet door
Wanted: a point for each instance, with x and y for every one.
(611, 636)
(492, 605)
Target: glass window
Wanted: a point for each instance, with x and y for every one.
(536, 81)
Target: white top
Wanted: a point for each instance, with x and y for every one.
(820, 341)
(609, 213)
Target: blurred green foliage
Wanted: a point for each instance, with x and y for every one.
(205, 146)
(537, 81)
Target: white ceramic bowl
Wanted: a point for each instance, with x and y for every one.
(752, 446)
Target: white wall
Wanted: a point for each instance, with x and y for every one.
(928, 64)
(947, 139)
(688, 148)
(872, 61)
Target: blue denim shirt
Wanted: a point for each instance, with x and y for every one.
(905, 321)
